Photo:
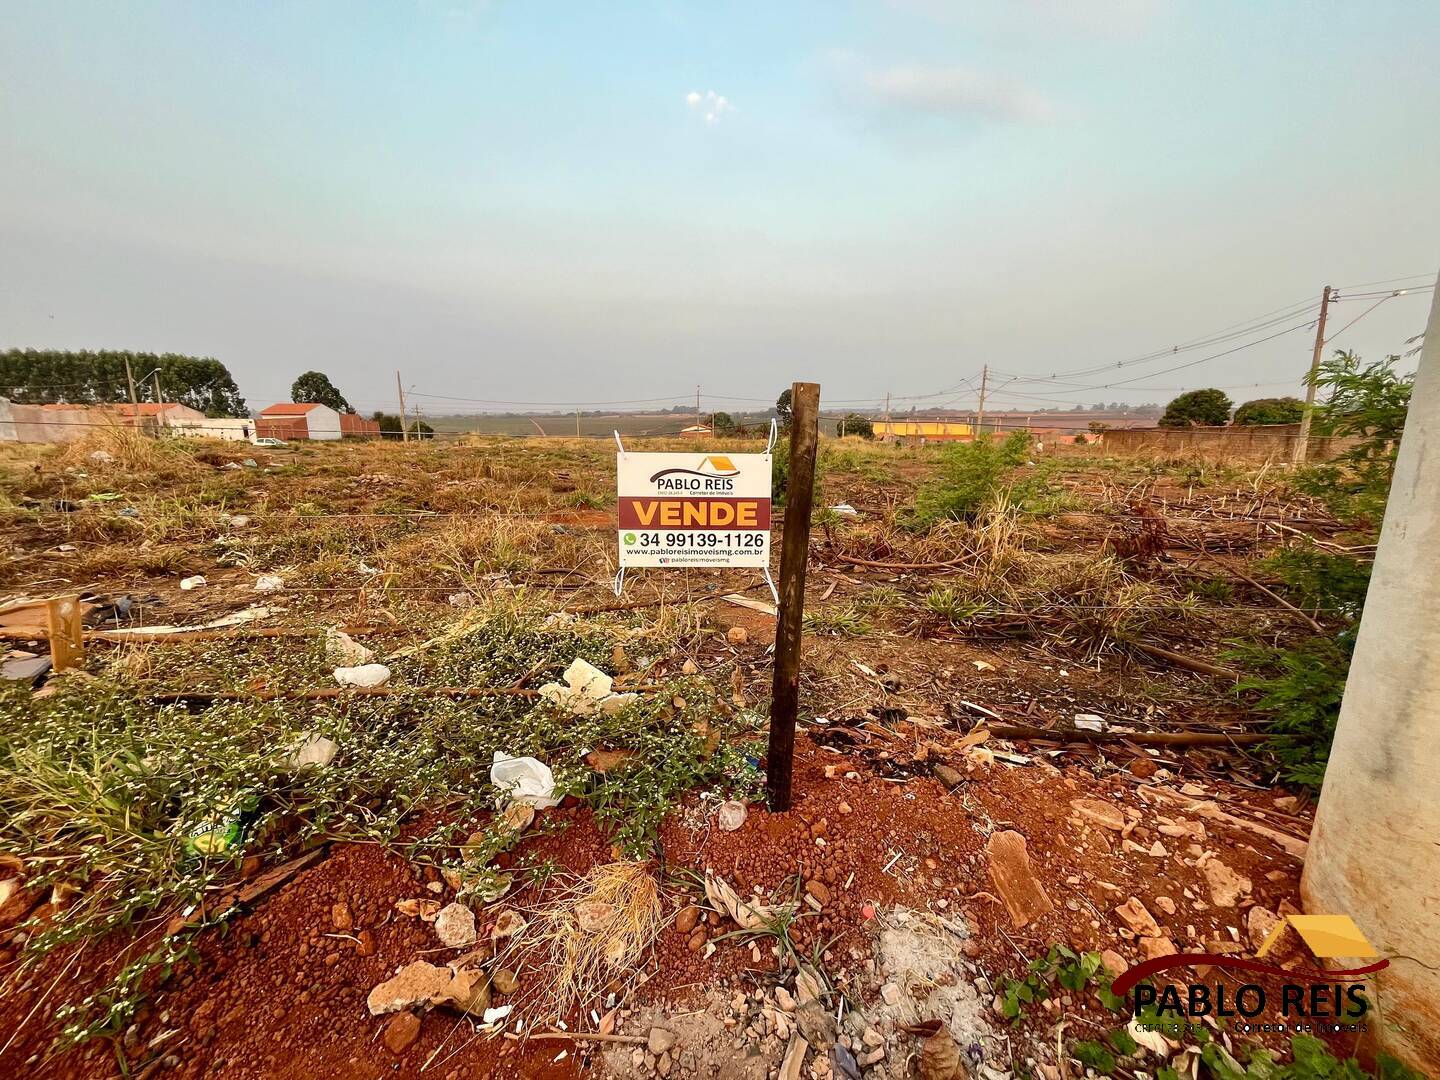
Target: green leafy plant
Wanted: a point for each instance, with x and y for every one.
(972, 476)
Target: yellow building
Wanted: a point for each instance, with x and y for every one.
(923, 431)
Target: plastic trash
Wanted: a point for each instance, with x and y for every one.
(313, 749)
(269, 583)
(844, 510)
(1089, 722)
(341, 648)
(364, 676)
(192, 582)
(523, 779)
(217, 836)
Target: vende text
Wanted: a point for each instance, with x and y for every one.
(694, 513)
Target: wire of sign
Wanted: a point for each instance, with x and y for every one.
(769, 446)
(621, 446)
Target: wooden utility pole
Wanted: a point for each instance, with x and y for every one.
(577, 423)
(404, 424)
(794, 551)
(984, 383)
(1302, 440)
(130, 379)
(697, 406)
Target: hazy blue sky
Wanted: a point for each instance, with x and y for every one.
(556, 202)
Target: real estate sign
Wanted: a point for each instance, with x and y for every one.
(694, 509)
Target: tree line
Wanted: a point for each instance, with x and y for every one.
(53, 376)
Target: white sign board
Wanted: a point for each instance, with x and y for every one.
(694, 509)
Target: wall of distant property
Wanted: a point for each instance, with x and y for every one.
(1258, 442)
(41, 424)
(225, 428)
(323, 422)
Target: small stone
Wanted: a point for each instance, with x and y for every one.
(455, 926)
(784, 999)
(874, 1057)
(1009, 864)
(1107, 815)
(819, 891)
(1113, 962)
(697, 940)
(505, 981)
(660, 1040)
(1259, 921)
(340, 916)
(402, 1031)
(730, 816)
(951, 778)
(686, 920)
(365, 943)
(872, 1038)
(1135, 915)
(737, 635)
(1165, 904)
(1155, 947)
(1226, 886)
(891, 994)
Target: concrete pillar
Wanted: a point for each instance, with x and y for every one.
(1375, 849)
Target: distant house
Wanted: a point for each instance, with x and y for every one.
(298, 420)
(922, 431)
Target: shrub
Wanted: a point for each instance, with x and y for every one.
(970, 477)
(1273, 410)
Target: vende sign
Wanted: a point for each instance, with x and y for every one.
(694, 509)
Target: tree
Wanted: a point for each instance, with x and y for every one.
(315, 386)
(389, 424)
(1197, 408)
(855, 424)
(51, 376)
(1270, 410)
(722, 423)
(784, 410)
(1097, 427)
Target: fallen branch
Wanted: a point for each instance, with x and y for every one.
(248, 892)
(123, 636)
(1204, 667)
(1143, 738)
(1286, 604)
(348, 692)
(902, 565)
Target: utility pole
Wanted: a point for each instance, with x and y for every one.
(984, 382)
(1380, 779)
(404, 425)
(697, 406)
(130, 379)
(577, 423)
(1302, 440)
(794, 552)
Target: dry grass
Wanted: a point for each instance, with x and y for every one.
(588, 935)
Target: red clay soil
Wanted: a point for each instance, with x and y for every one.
(282, 992)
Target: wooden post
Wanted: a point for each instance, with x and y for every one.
(67, 643)
(795, 548)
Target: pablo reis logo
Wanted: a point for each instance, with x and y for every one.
(714, 473)
(1333, 998)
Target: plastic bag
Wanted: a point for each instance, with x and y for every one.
(524, 779)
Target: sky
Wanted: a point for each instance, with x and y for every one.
(560, 203)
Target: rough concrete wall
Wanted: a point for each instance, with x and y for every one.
(1375, 848)
(1268, 443)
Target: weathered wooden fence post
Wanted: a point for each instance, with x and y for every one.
(795, 547)
(67, 642)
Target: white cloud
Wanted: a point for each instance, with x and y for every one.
(958, 90)
(710, 105)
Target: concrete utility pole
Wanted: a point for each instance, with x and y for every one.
(404, 425)
(130, 378)
(697, 406)
(1302, 440)
(984, 382)
(1373, 852)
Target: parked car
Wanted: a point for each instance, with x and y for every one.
(271, 442)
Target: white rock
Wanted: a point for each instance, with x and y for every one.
(455, 925)
(267, 583)
(192, 582)
(730, 816)
(366, 675)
